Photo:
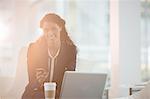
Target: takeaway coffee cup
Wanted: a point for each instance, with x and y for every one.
(49, 90)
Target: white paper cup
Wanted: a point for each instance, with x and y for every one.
(49, 90)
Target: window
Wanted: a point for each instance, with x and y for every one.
(145, 39)
(7, 58)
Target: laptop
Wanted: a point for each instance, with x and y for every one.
(78, 85)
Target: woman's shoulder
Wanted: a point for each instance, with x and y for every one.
(37, 43)
(70, 47)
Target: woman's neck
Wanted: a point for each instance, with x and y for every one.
(53, 48)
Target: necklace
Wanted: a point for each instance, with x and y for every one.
(52, 64)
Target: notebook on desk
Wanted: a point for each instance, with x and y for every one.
(77, 85)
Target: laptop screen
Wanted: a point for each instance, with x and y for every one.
(78, 85)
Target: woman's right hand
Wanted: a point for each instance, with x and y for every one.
(41, 75)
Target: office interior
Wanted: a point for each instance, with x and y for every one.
(112, 37)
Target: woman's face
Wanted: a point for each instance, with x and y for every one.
(51, 31)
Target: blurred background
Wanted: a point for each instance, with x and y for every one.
(88, 25)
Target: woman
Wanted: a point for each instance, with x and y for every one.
(49, 57)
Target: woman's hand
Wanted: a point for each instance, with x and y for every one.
(41, 75)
